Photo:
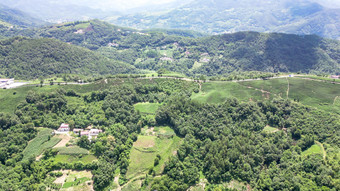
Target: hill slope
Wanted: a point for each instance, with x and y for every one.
(220, 16)
(30, 58)
(16, 17)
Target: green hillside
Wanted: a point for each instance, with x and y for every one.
(31, 58)
(210, 55)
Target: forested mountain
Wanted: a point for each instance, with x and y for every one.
(25, 58)
(16, 17)
(220, 16)
(210, 55)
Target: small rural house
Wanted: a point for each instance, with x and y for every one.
(64, 128)
(84, 133)
(76, 131)
(95, 132)
(92, 133)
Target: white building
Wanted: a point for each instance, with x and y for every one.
(64, 128)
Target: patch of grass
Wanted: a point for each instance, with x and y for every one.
(41, 142)
(314, 149)
(148, 108)
(135, 185)
(76, 180)
(320, 78)
(317, 94)
(174, 74)
(74, 150)
(73, 158)
(47, 80)
(196, 65)
(166, 148)
(218, 92)
(270, 129)
(142, 155)
(10, 98)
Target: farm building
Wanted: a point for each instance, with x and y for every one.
(64, 128)
(84, 133)
(93, 133)
(76, 131)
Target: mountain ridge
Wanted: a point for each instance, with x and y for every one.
(214, 17)
(17, 17)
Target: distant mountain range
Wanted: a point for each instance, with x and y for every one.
(226, 16)
(56, 11)
(9, 17)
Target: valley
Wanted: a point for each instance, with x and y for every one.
(198, 95)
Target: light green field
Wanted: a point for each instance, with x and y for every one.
(72, 158)
(47, 81)
(320, 78)
(167, 52)
(270, 129)
(314, 149)
(76, 181)
(218, 92)
(10, 98)
(146, 148)
(36, 146)
(174, 74)
(148, 108)
(135, 185)
(74, 150)
(317, 94)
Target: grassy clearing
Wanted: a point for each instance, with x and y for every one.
(76, 180)
(317, 94)
(218, 92)
(48, 80)
(10, 98)
(41, 142)
(148, 108)
(270, 129)
(74, 150)
(146, 148)
(314, 149)
(174, 74)
(135, 185)
(72, 158)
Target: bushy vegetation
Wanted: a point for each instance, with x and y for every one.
(226, 142)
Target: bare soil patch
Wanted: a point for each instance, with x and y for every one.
(65, 138)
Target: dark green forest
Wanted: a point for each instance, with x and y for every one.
(26, 58)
